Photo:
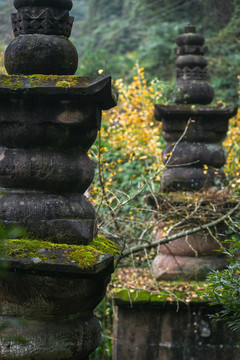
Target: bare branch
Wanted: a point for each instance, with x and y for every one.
(115, 209)
(168, 239)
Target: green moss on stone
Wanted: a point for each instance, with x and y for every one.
(104, 245)
(172, 291)
(81, 255)
(6, 81)
(65, 84)
(17, 82)
(130, 296)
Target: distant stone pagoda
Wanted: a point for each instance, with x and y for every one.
(58, 272)
(196, 162)
(194, 156)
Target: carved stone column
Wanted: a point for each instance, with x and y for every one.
(58, 271)
(194, 164)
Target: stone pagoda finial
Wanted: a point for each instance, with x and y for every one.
(41, 46)
(191, 68)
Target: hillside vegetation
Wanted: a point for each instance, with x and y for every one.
(114, 35)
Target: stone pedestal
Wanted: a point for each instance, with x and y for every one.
(47, 306)
(163, 330)
(57, 272)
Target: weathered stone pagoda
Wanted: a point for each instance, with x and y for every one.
(194, 156)
(57, 272)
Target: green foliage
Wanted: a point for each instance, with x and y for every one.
(156, 50)
(12, 324)
(224, 286)
(225, 57)
(104, 313)
(93, 60)
(6, 8)
(128, 153)
(119, 33)
(9, 233)
(171, 291)
(113, 35)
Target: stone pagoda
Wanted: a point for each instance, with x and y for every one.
(194, 156)
(56, 271)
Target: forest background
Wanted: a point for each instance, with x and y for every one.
(114, 35)
(134, 41)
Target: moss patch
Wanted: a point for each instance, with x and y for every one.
(15, 82)
(137, 285)
(38, 251)
(170, 292)
(65, 84)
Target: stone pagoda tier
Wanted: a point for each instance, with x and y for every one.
(194, 130)
(57, 271)
(196, 162)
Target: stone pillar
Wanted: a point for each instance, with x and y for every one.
(58, 271)
(195, 163)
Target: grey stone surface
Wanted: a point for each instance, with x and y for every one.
(41, 54)
(66, 218)
(199, 244)
(194, 155)
(45, 170)
(191, 69)
(71, 339)
(162, 331)
(52, 315)
(172, 267)
(191, 178)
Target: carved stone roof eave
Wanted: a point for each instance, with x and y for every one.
(95, 89)
(61, 268)
(168, 112)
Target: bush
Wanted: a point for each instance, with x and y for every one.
(128, 153)
(224, 288)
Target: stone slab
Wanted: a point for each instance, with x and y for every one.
(171, 332)
(95, 89)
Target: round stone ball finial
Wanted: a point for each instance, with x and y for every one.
(41, 54)
(41, 46)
